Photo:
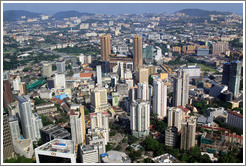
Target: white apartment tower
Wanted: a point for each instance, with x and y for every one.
(181, 89)
(160, 98)
(99, 75)
(26, 117)
(143, 91)
(140, 118)
(100, 120)
(77, 122)
(175, 117)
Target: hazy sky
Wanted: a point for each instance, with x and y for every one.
(114, 8)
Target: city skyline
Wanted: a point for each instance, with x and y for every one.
(122, 8)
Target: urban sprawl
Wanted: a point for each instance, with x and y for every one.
(97, 88)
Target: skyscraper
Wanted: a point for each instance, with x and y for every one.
(232, 76)
(137, 52)
(60, 81)
(14, 127)
(37, 125)
(160, 98)
(60, 67)
(47, 69)
(100, 120)
(23, 89)
(26, 117)
(143, 75)
(188, 133)
(181, 89)
(105, 47)
(220, 47)
(77, 121)
(175, 117)
(143, 91)
(7, 139)
(7, 94)
(99, 100)
(140, 118)
(99, 75)
(16, 83)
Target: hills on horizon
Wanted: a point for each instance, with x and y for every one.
(15, 15)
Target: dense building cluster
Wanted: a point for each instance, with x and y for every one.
(108, 89)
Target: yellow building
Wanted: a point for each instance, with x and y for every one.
(99, 100)
(177, 49)
(143, 75)
(163, 76)
(191, 49)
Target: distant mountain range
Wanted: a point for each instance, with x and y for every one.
(201, 13)
(67, 14)
(15, 15)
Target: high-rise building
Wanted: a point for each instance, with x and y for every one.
(26, 117)
(181, 89)
(99, 75)
(147, 52)
(56, 151)
(188, 133)
(220, 47)
(98, 138)
(143, 91)
(8, 148)
(37, 125)
(232, 76)
(7, 94)
(14, 127)
(137, 52)
(60, 67)
(115, 99)
(82, 59)
(16, 83)
(47, 69)
(105, 47)
(171, 136)
(140, 118)
(133, 94)
(100, 120)
(77, 122)
(175, 117)
(160, 98)
(23, 89)
(120, 70)
(60, 81)
(143, 75)
(105, 66)
(89, 154)
(99, 100)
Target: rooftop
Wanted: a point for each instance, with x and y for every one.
(115, 157)
(58, 146)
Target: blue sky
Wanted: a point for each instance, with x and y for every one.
(114, 8)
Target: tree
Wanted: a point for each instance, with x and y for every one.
(184, 157)
(151, 144)
(147, 160)
(205, 159)
(132, 139)
(228, 158)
